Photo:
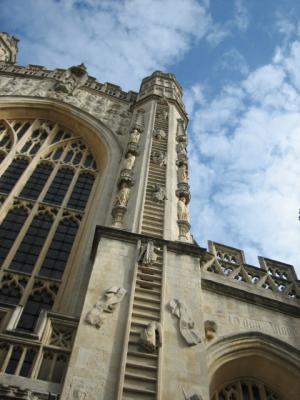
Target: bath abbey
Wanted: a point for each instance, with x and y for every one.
(104, 293)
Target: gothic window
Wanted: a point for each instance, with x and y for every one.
(45, 190)
(245, 389)
(59, 250)
(10, 228)
(12, 174)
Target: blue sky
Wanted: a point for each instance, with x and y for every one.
(239, 64)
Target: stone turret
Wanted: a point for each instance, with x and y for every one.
(8, 48)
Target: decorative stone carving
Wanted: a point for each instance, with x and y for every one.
(210, 328)
(186, 323)
(182, 210)
(194, 396)
(139, 121)
(71, 79)
(8, 47)
(159, 134)
(147, 254)
(181, 150)
(158, 193)
(151, 337)
(182, 174)
(122, 196)
(158, 157)
(128, 162)
(134, 136)
(181, 135)
(106, 304)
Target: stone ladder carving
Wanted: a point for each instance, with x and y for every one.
(141, 369)
(153, 216)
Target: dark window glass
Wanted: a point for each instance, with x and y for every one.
(9, 230)
(59, 250)
(34, 149)
(10, 294)
(36, 302)
(2, 156)
(26, 146)
(27, 363)
(245, 392)
(12, 175)
(23, 130)
(57, 154)
(255, 392)
(14, 360)
(4, 140)
(59, 186)
(81, 191)
(37, 181)
(29, 250)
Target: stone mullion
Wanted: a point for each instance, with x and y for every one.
(37, 362)
(21, 360)
(7, 358)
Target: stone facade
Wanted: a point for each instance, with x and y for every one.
(104, 293)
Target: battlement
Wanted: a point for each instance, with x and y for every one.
(273, 276)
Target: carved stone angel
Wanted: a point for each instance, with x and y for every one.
(186, 324)
(158, 193)
(158, 157)
(107, 303)
(147, 255)
(134, 136)
(122, 196)
(151, 337)
(182, 174)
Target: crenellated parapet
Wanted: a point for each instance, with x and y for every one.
(271, 277)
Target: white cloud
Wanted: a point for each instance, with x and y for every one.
(241, 15)
(245, 162)
(120, 42)
(232, 60)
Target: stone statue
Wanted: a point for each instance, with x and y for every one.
(147, 255)
(151, 337)
(182, 210)
(122, 196)
(134, 136)
(186, 324)
(72, 78)
(182, 174)
(210, 328)
(159, 193)
(158, 157)
(107, 303)
(181, 148)
(128, 162)
(159, 134)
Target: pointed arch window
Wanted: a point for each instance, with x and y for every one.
(45, 188)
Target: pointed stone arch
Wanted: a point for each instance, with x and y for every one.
(258, 357)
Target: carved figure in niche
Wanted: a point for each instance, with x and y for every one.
(210, 328)
(122, 196)
(186, 324)
(194, 396)
(182, 210)
(72, 78)
(181, 148)
(147, 255)
(165, 115)
(151, 337)
(128, 162)
(159, 134)
(134, 136)
(107, 303)
(182, 174)
(158, 157)
(159, 193)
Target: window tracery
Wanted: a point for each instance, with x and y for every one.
(245, 389)
(45, 185)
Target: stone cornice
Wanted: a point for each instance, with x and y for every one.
(130, 237)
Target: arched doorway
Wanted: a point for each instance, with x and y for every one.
(253, 367)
